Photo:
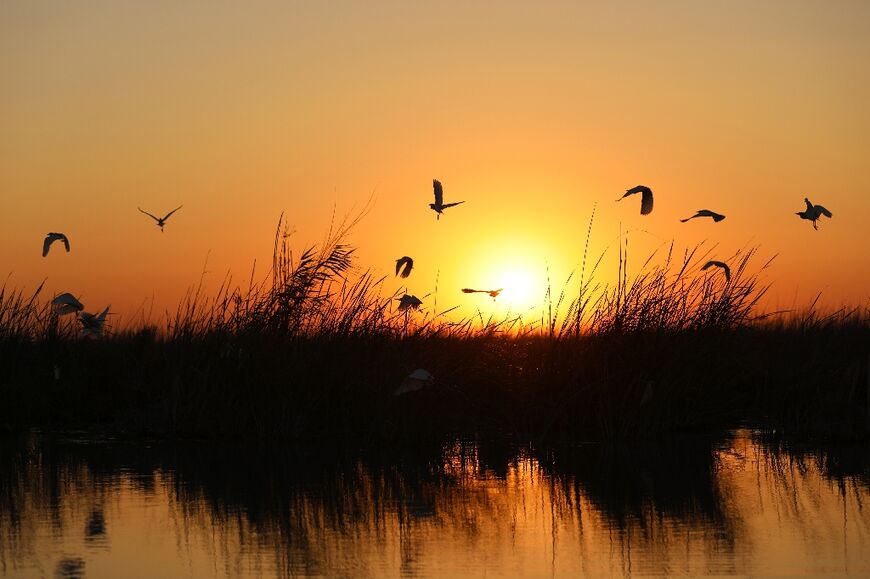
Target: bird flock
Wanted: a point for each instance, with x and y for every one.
(93, 325)
(405, 264)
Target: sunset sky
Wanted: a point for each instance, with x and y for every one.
(531, 112)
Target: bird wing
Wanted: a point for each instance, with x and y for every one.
(171, 212)
(646, 203)
(809, 205)
(452, 204)
(439, 191)
(65, 241)
(687, 218)
(468, 290)
(822, 211)
(46, 244)
(405, 262)
(727, 272)
(148, 214)
(637, 189)
(102, 317)
(66, 303)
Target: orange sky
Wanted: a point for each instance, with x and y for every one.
(531, 112)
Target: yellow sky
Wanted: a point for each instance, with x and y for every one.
(530, 112)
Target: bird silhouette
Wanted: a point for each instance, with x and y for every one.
(416, 380)
(646, 201)
(66, 303)
(719, 264)
(404, 265)
(492, 293)
(161, 221)
(717, 217)
(813, 213)
(50, 238)
(439, 206)
(408, 301)
(93, 324)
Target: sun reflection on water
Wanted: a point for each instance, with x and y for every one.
(736, 506)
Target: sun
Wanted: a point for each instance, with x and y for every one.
(518, 287)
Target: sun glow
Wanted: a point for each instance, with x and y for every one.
(518, 286)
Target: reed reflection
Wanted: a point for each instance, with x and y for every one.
(71, 506)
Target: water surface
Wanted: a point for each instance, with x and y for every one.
(76, 506)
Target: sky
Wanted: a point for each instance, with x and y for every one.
(533, 113)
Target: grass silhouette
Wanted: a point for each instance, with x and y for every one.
(315, 350)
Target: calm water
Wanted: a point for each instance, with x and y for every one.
(79, 507)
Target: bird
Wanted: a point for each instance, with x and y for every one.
(92, 324)
(720, 264)
(717, 217)
(404, 264)
(161, 221)
(813, 213)
(492, 293)
(416, 380)
(66, 303)
(439, 206)
(408, 301)
(646, 201)
(50, 238)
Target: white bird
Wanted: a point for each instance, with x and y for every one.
(492, 293)
(405, 264)
(416, 380)
(719, 264)
(161, 221)
(50, 238)
(439, 206)
(717, 217)
(813, 212)
(646, 202)
(408, 301)
(66, 303)
(92, 324)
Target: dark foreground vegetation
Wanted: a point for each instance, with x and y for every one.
(316, 352)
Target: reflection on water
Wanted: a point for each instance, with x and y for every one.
(76, 507)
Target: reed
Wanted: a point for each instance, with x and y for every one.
(315, 350)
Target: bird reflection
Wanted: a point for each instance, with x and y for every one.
(95, 529)
(71, 568)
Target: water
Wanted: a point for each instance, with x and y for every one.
(74, 506)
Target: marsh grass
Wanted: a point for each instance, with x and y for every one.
(315, 349)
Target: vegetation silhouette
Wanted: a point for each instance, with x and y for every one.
(315, 350)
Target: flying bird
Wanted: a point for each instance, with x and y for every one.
(66, 303)
(50, 238)
(439, 206)
(646, 201)
(404, 265)
(416, 380)
(813, 213)
(492, 293)
(92, 324)
(717, 217)
(161, 221)
(719, 264)
(408, 301)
